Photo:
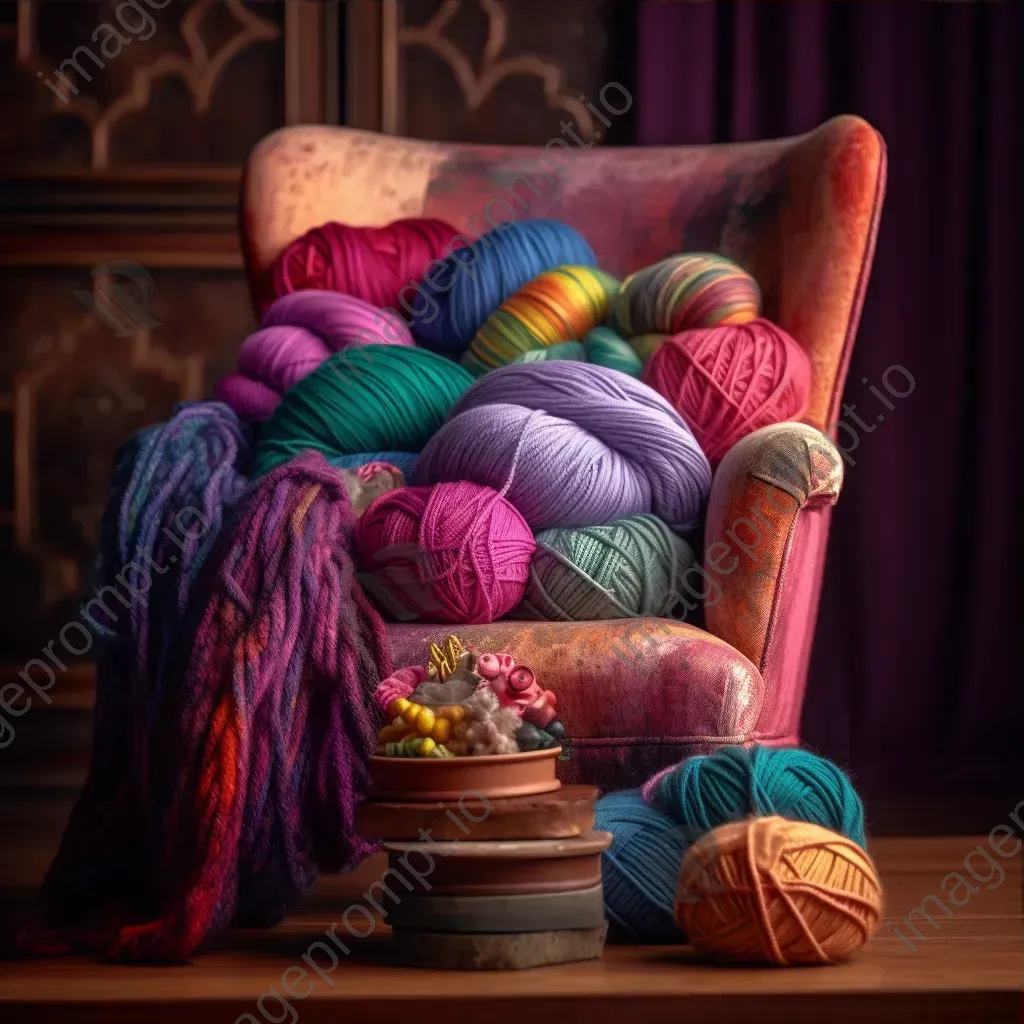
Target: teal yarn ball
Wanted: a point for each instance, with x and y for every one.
(365, 399)
(634, 566)
(739, 782)
(640, 869)
(606, 348)
(572, 350)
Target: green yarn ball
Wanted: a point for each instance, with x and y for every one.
(645, 345)
(571, 350)
(631, 567)
(605, 348)
(365, 399)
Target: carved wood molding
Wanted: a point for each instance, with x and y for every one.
(476, 82)
(200, 70)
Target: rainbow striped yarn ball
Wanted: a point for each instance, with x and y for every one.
(563, 304)
(681, 292)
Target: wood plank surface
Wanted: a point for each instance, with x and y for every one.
(968, 969)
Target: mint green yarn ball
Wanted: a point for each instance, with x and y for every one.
(605, 348)
(366, 399)
(634, 566)
(571, 350)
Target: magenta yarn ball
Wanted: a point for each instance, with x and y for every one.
(281, 356)
(454, 552)
(250, 399)
(341, 320)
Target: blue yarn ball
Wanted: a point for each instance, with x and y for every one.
(640, 869)
(478, 278)
(740, 782)
(405, 461)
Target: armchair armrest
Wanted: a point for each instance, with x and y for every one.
(767, 524)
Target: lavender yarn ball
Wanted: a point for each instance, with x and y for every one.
(575, 444)
(341, 320)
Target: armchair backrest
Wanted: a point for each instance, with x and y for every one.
(801, 214)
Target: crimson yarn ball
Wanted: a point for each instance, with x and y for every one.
(377, 265)
(728, 381)
(454, 552)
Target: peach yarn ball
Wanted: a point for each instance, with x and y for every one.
(768, 890)
(726, 382)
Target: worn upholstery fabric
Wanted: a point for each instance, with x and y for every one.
(635, 694)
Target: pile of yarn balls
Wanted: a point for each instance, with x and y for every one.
(752, 854)
(556, 428)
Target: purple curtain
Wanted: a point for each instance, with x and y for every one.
(915, 678)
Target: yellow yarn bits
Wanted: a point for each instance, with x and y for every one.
(412, 720)
(563, 304)
(768, 890)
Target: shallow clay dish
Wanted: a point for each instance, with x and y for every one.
(449, 778)
(561, 814)
(468, 868)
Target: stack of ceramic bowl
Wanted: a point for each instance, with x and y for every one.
(491, 862)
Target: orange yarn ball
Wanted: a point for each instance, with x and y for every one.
(768, 890)
(726, 382)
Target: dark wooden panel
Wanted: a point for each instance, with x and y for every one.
(186, 83)
(506, 71)
(73, 386)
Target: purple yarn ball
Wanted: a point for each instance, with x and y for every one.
(251, 399)
(341, 320)
(281, 356)
(575, 444)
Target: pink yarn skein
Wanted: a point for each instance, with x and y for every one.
(726, 382)
(251, 399)
(281, 356)
(299, 332)
(455, 552)
(341, 320)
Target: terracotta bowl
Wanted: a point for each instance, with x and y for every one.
(449, 778)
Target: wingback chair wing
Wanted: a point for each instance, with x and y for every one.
(801, 214)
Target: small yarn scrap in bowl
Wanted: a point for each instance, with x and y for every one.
(687, 290)
(768, 890)
(456, 552)
(726, 382)
(634, 566)
(560, 305)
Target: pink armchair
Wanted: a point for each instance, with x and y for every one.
(801, 215)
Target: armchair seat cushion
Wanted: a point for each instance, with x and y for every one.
(635, 695)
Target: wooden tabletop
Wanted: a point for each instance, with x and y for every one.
(969, 969)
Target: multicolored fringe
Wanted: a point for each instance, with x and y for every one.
(266, 740)
(169, 491)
